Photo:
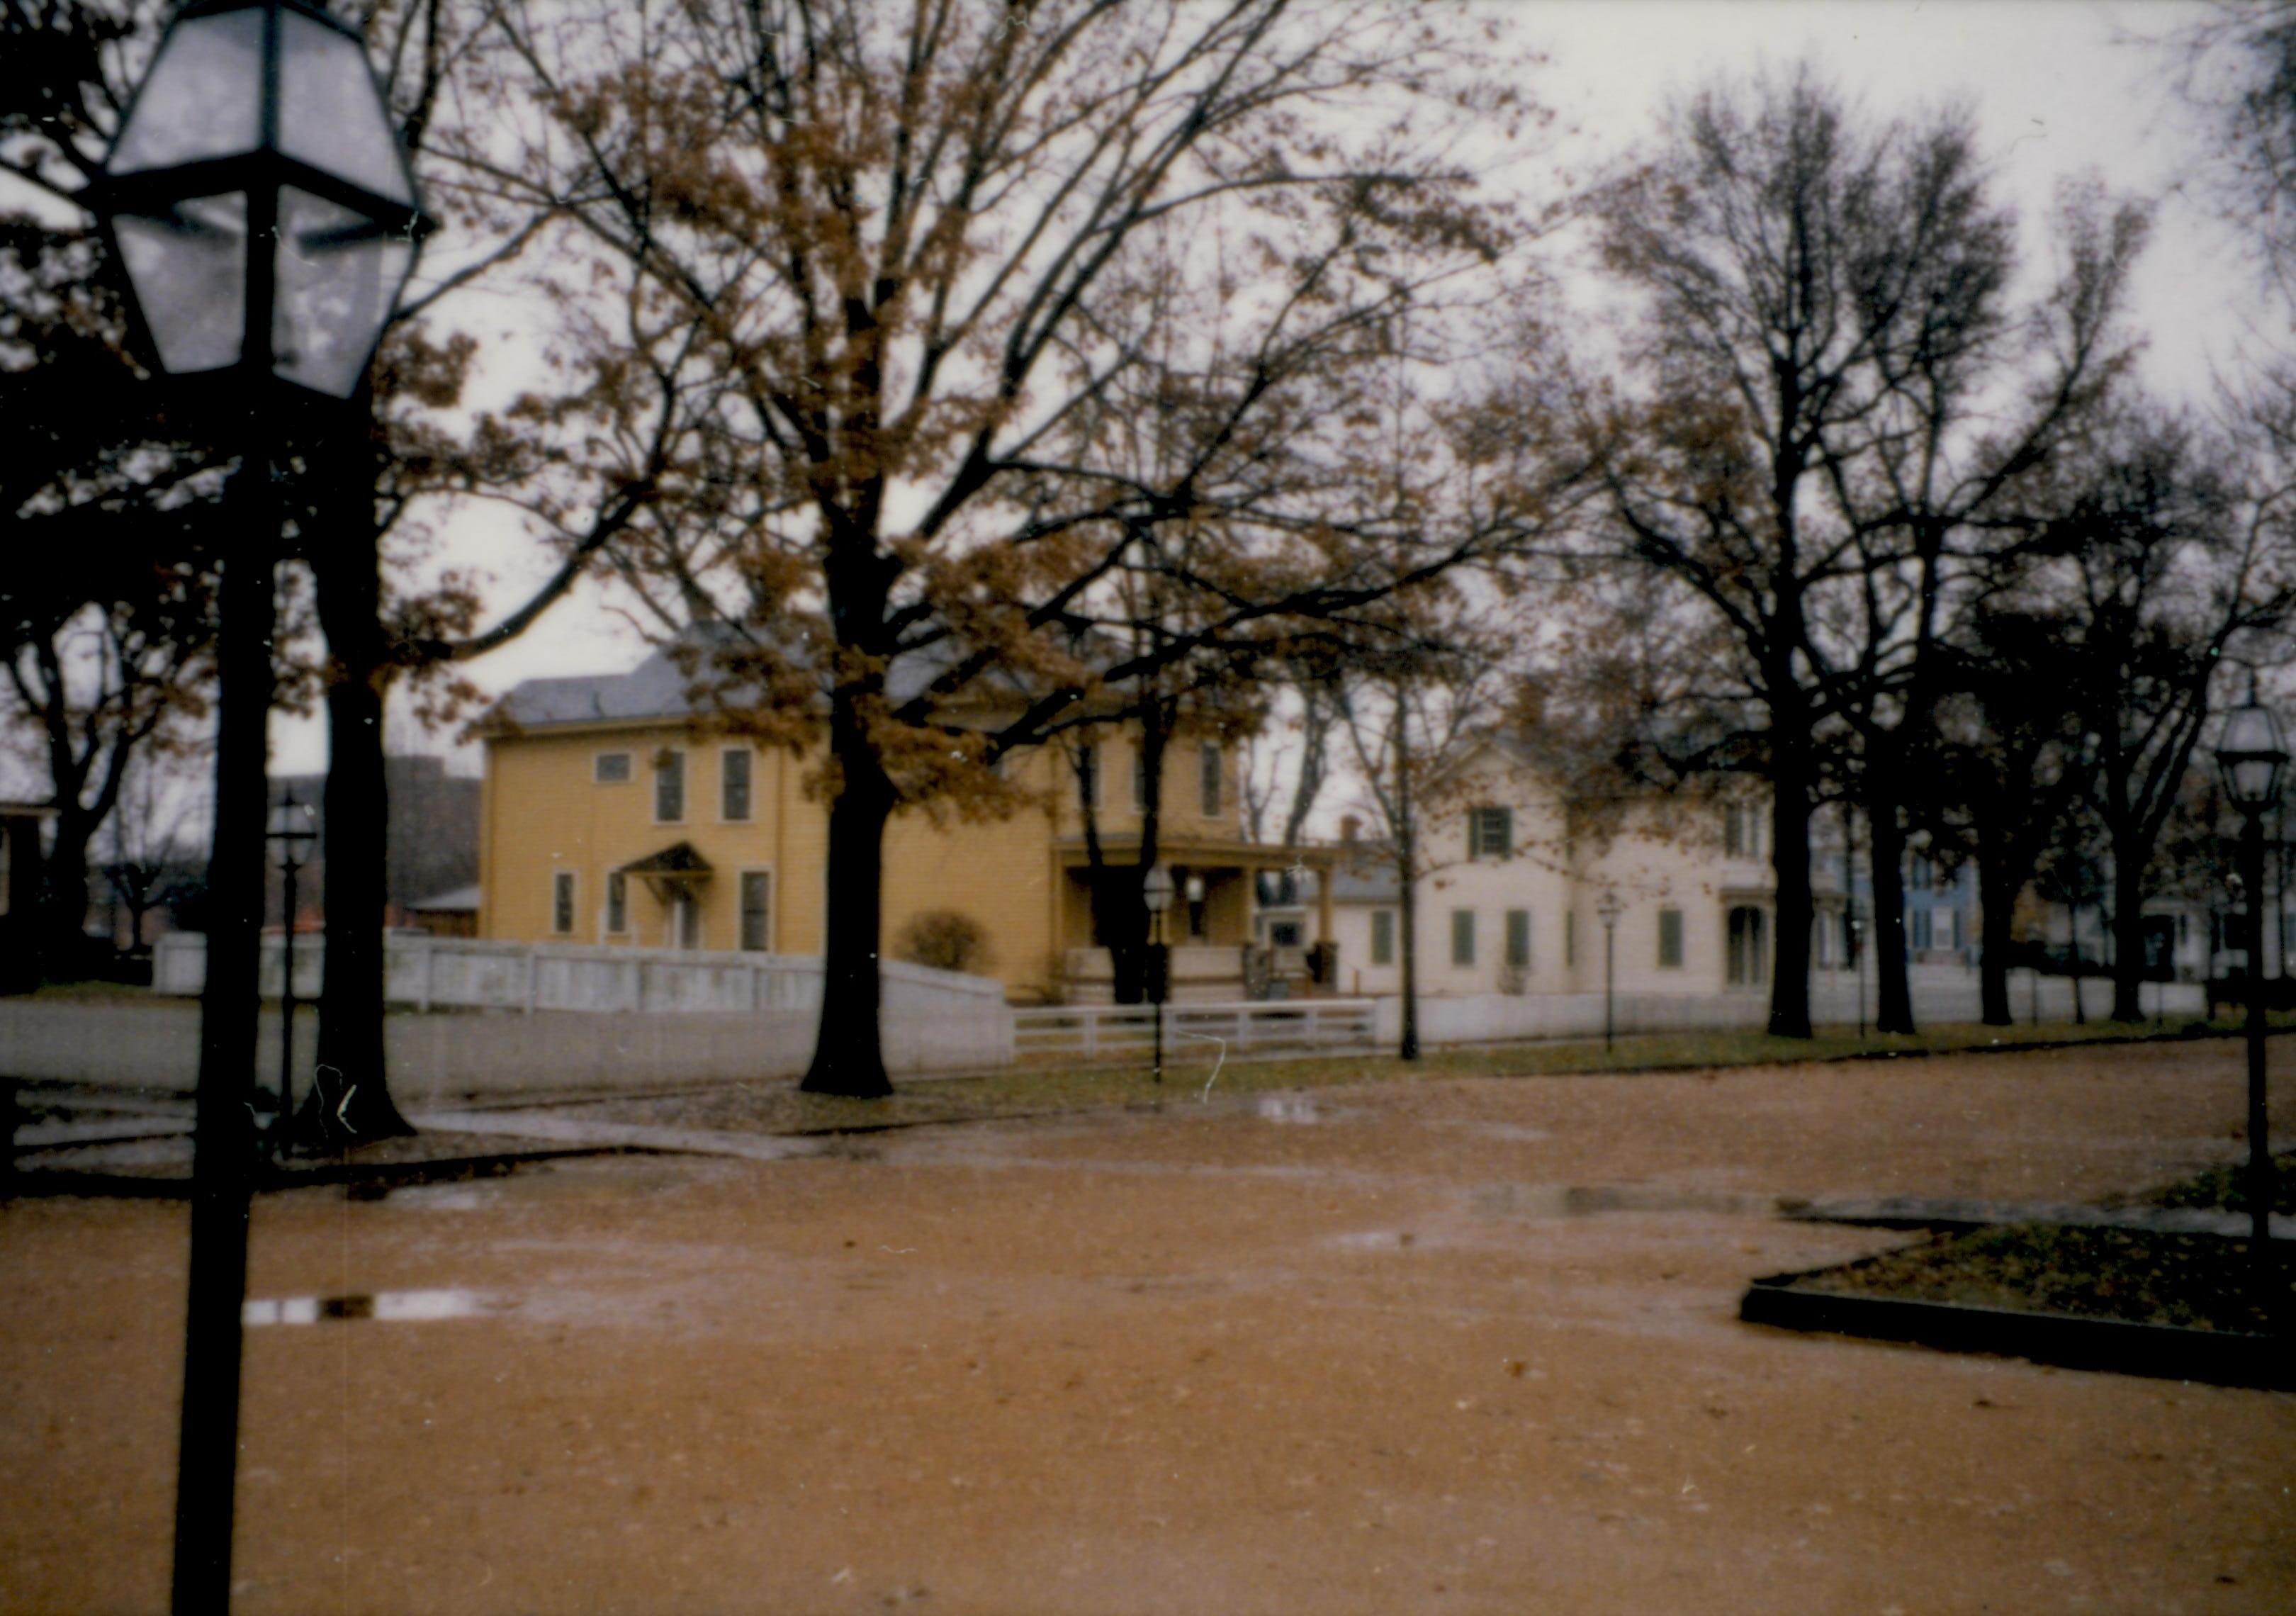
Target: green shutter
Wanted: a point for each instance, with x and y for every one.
(1669, 937)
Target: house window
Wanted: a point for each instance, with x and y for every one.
(669, 786)
(757, 905)
(1734, 831)
(1518, 940)
(1490, 832)
(1208, 779)
(1917, 929)
(1382, 937)
(617, 904)
(562, 902)
(1923, 876)
(733, 782)
(1285, 933)
(610, 769)
(1463, 937)
(1747, 952)
(1670, 939)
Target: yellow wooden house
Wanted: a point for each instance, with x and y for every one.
(614, 815)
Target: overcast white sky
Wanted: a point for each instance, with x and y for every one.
(2060, 88)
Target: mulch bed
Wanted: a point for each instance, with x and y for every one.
(2201, 1306)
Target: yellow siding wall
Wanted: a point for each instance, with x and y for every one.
(544, 812)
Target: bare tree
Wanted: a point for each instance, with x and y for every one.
(1823, 362)
(922, 251)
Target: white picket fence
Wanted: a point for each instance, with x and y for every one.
(447, 974)
(1092, 1030)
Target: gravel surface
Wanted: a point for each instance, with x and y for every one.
(1465, 1345)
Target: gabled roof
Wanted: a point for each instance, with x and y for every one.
(679, 859)
(660, 686)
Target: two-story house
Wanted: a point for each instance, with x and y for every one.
(1522, 889)
(615, 814)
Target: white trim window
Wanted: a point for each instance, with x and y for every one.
(1462, 937)
(1210, 763)
(757, 911)
(562, 908)
(1490, 832)
(610, 769)
(617, 904)
(1382, 937)
(670, 786)
(735, 774)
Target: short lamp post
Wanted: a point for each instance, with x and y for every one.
(292, 829)
(1156, 893)
(262, 207)
(1608, 911)
(2252, 757)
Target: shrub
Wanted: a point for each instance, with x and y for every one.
(945, 940)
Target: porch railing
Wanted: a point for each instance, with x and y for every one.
(1129, 1029)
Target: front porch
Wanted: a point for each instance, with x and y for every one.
(1216, 954)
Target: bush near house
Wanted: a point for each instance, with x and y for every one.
(945, 940)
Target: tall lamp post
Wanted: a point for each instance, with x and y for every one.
(1608, 912)
(259, 201)
(2253, 756)
(292, 829)
(1156, 893)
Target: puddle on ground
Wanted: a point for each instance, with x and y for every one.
(1507, 1132)
(1290, 1108)
(1584, 1200)
(389, 1307)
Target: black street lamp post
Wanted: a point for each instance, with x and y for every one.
(260, 204)
(2252, 757)
(293, 830)
(1156, 892)
(1608, 911)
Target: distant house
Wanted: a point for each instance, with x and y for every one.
(20, 893)
(454, 913)
(614, 815)
(1517, 879)
(431, 838)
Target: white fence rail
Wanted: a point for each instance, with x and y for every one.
(1093, 1030)
(447, 974)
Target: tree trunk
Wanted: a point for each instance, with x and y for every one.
(1893, 1010)
(2128, 936)
(1407, 909)
(1790, 814)
(1406, 868)
(349, 1101)
(848, 1057)
(1998, 886)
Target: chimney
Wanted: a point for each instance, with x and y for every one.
(1349, 825)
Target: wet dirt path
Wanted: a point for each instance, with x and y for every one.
(1357, 1351)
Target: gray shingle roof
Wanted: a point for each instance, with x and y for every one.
(657, 687)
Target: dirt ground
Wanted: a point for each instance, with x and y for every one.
(1348, 1351)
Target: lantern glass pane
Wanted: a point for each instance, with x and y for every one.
(202, 99)
(189, 269)
(2255, 781)
(338, 273)
(330, 114)
(2250, 729)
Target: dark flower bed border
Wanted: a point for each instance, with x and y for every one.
(2223, 1357)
